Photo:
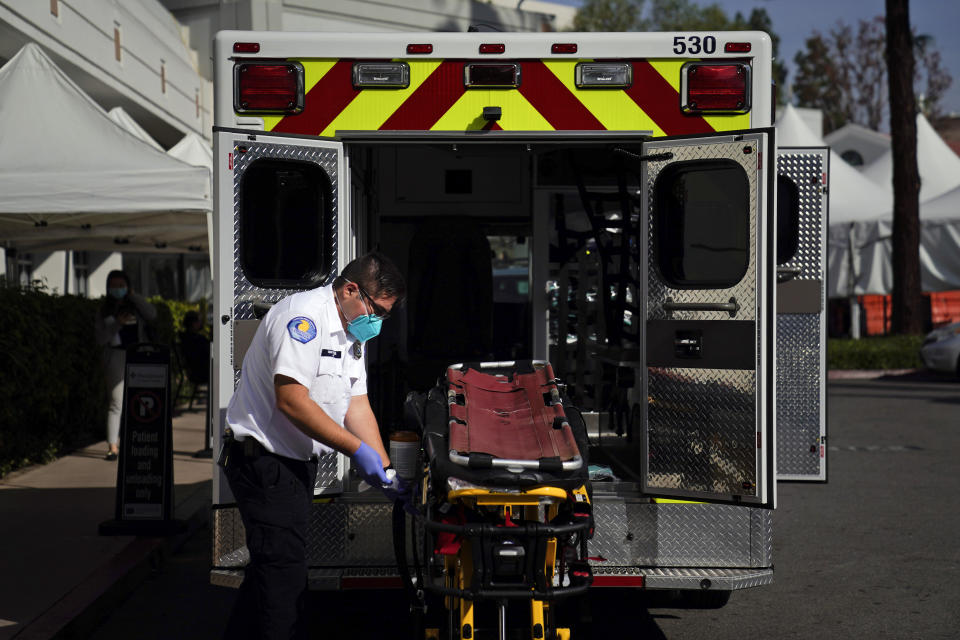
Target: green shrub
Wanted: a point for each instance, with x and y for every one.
(53, 395)
(880, 352)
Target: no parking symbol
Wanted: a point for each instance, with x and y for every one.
(145, 406)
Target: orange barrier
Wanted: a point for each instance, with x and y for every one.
(944, 307)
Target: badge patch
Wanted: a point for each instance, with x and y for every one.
(357, 350)
(302, 329)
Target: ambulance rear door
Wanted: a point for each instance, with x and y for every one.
(802, 175)
(281, 227)
(708, 378)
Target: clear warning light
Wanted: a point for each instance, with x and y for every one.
(384, 75)
(603, 75)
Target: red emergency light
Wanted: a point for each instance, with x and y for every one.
(419, 48)
(737, 47)
(493, 48)
(715, 87)
(268, 87)
(246, 47)
(563, 47)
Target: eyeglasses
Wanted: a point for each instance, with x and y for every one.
(378, 311)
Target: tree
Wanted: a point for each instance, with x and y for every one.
(608, 15)
(676, 15)
(906, 176)
(844, 74)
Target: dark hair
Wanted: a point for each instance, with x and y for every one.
(117, 273)
(376, 274)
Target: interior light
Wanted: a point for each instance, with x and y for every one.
(492, 75)
(715, 87)
(270, 87)
(603, 75)
(384, 75)
(246, 47)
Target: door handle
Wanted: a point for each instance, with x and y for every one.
(730, 307)
(785, 274)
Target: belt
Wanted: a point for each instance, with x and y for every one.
(250, 447)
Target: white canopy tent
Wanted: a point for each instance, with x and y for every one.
(193, 150)
(71, 178)
(939, 166)
(125, 120)
(859, 253)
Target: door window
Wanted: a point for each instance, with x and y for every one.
(285, 231)
(788, 219)
(702, 224)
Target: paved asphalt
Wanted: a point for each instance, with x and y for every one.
(874, 553)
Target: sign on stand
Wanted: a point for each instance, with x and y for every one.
(144, 503)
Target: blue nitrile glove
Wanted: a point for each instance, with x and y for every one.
(368, 463)
(401, 491)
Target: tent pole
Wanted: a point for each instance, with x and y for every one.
(852, 280)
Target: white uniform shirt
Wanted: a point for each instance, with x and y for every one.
(301, 337)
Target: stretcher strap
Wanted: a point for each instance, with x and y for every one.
(508, 418)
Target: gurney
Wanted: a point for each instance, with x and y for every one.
(504, 496)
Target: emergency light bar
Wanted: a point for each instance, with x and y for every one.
(492, 75)
(600, 75)
(268, 87)
(383, 75)
(708, 86)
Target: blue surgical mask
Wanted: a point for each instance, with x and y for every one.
(118, 292)
(365, 327)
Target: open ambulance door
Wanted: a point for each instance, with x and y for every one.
(279, 229)
(708, 377)
(801, 313)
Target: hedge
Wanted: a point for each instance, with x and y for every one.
(53, 395)
(881, 352)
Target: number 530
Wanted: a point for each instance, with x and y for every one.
(694, 44)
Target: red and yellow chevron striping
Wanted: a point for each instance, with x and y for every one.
(546, 100)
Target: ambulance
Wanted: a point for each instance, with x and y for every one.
(611, 203)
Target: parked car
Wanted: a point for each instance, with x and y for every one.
(941, 349)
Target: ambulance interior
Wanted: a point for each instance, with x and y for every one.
(511, 250)
(503, 262)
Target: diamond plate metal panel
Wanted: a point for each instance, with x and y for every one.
(229, 539)
(799, 380)
(329, 474)
(720, 579)
(744, 291)
(801, 432)
(246, 293)
(701, 432)
(339, 534)
(806, 171)
(639, 534)
(327, 535)
(761, 537)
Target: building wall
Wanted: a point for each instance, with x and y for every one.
(156, 77)
(205, 17)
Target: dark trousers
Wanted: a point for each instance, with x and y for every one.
(274, 495)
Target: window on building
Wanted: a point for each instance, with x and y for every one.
(81, 273)
(702, 223)
(852, 157)
(117, 47)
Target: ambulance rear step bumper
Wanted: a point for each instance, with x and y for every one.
(697, 579)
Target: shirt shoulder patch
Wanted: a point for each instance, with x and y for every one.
(302, 329)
